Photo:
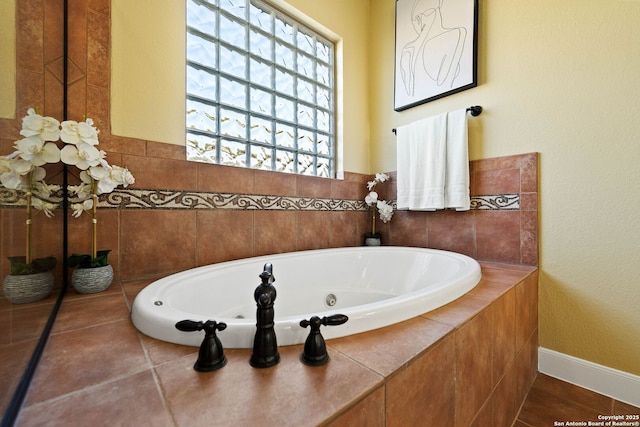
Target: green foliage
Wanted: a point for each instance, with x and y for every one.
(19, 266)
(85, 261)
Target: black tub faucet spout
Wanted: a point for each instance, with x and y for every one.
(265, 346)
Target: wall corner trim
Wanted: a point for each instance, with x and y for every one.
(616, 384)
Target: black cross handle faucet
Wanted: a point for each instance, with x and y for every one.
(211, 355)
(315, 349)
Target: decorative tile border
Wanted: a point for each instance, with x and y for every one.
(10, 198)
(16, 199)
(165, 199)
(171, 199)
(496, 202)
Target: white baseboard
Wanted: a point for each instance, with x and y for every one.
(616, 384)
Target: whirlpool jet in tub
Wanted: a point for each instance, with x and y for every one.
(373, 286)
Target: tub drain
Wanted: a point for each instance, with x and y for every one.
(330, 300)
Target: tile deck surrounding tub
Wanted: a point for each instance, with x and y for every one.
(452, 366)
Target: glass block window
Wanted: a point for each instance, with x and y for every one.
(259, 89)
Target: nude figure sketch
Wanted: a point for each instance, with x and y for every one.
(435, 52)
(436, 49)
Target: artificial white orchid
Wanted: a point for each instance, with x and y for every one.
(13, 171)
(121, 175)
(34, 124)
(385, 210)
(22, 171)
(371, 199)
(380, 177)
(79, 208)
(83, 155)
(46, 207)
(107, 178)
(36, 150)
(81, 139)
(82, 191)
(77, 133)
(97, 177)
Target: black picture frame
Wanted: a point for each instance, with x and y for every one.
(436, 50)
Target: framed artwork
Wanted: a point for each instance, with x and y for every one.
(436, 50)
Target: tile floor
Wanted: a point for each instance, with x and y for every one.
(551, 402)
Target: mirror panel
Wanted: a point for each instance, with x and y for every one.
(37, 53)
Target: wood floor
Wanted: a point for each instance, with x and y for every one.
(552, 402)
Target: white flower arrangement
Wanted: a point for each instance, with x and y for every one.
(97, 177)
(384, 208)
(22, 171)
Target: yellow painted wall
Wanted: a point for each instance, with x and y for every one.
(560, 78)
(148, 70)
(147, 84)
(7, 59)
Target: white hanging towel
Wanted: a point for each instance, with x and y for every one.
(421, 157)
(456, 189)
(433, 163)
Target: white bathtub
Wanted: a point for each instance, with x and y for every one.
(373, 286)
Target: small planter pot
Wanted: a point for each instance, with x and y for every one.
(372, 239)
(28, 288)
(92, 280)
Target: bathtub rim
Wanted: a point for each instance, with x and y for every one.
(288, 331)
